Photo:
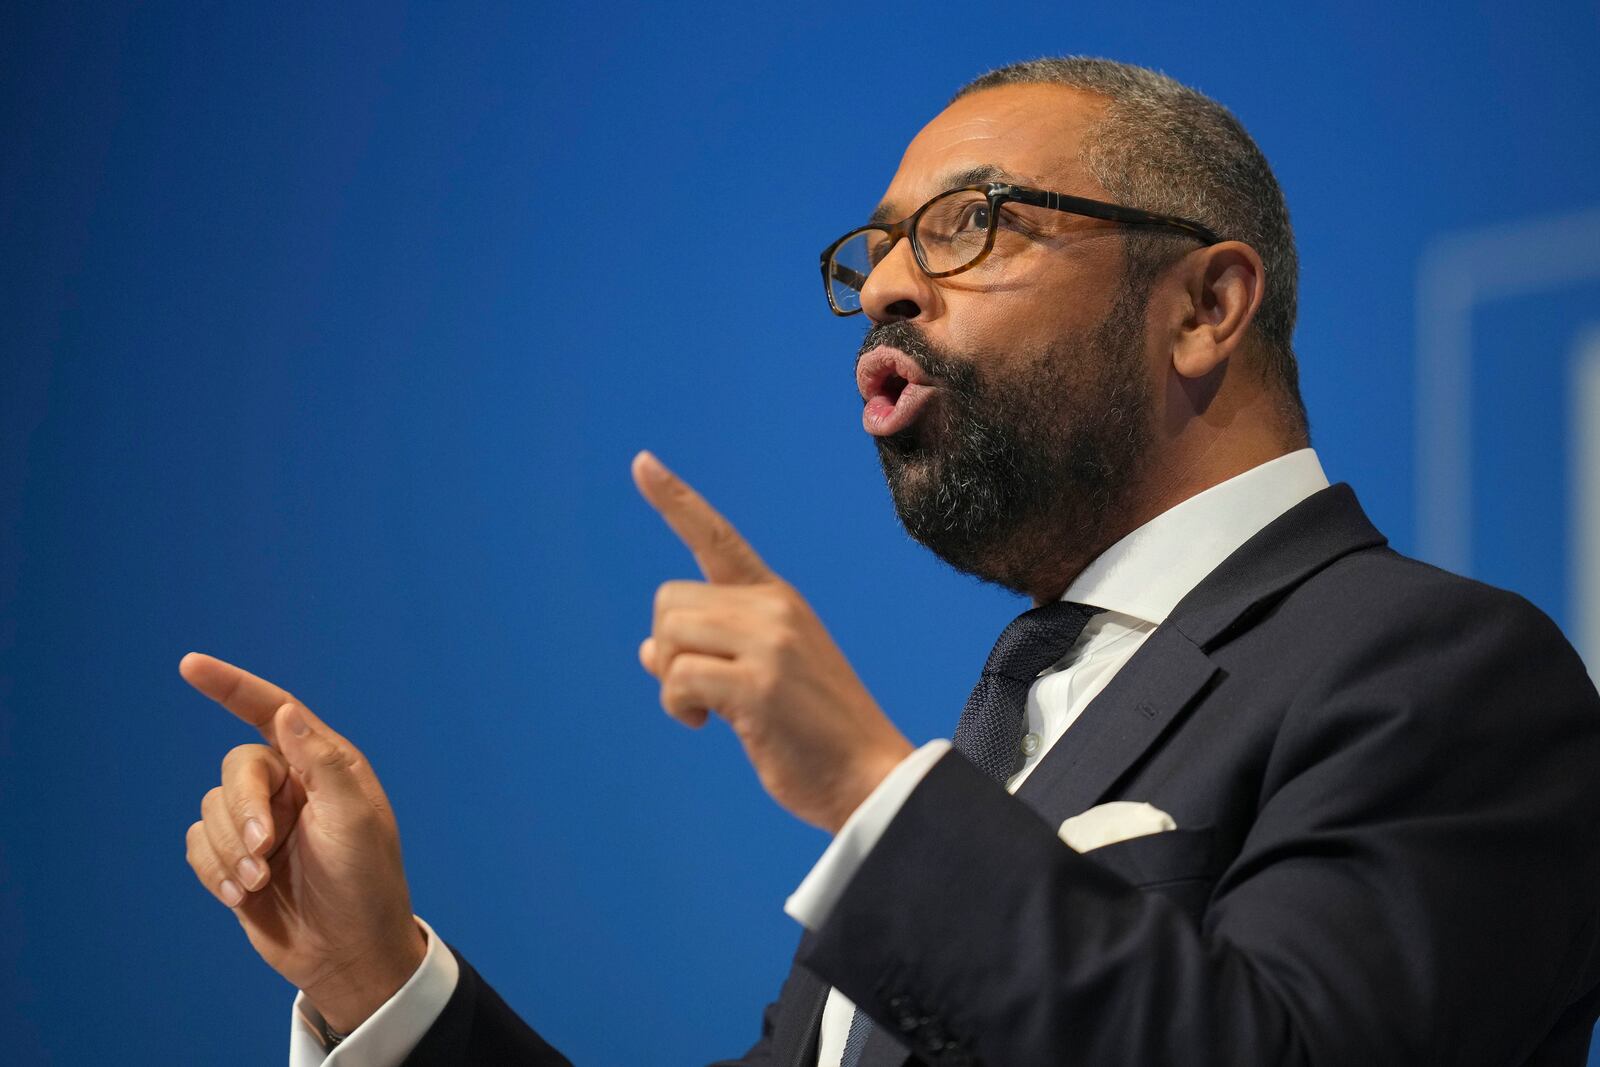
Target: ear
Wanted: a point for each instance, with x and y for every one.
(1225, 284)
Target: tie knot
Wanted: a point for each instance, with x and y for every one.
(1037, 638)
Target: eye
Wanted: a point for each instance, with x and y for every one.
(974, 216)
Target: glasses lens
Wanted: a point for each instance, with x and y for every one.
(954, 229)
(851, 263)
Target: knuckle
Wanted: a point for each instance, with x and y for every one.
(677, 688)
(791, 606)
(782, 638)
(240, 808)
(327, 754)
(211, 802)
(777, 601)
(764, 682)
(241, 758)
(773, 642)
(667, 622)
(684, 626)
(680, 673)
(197, 851)
(752, 730)
(667, 594)
(720, 532)
(686, 712)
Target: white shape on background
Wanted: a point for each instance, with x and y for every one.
(1457, 273)
(1583, 550)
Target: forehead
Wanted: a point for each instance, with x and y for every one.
(1029, 133)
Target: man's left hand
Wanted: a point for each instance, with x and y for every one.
(744, 644)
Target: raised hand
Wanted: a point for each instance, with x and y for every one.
(745, 644)
(300, 842)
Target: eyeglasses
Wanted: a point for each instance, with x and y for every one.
(955, 230)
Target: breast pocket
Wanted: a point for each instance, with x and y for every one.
(1181, 865)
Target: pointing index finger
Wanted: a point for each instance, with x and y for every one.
(725, 558)
(255, 700)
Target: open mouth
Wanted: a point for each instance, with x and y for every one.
(893, 390)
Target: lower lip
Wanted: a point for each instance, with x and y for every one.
(883, 417)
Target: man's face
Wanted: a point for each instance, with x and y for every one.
(1011, 403)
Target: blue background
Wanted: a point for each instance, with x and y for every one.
(328, 333)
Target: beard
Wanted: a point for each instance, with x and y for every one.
(1013, 475)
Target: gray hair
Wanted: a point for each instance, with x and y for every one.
(1167, 148)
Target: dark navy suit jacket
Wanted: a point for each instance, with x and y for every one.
(1386, 781)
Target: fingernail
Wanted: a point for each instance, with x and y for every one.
(297, 723)
(231, 893)
(254, 835)
(250, 871)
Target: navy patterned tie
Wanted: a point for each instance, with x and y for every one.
(990, 731)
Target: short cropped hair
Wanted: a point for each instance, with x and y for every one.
(1164, 147)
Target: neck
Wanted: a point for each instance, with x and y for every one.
(1170, 478)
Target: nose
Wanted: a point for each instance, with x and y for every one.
(897, 290)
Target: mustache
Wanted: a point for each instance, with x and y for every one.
(940, 367)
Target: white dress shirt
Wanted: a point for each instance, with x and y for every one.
(1137, 581)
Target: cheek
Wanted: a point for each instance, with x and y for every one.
(1034, 300)
(1010, 324)
(976, 323)
(1176, 411)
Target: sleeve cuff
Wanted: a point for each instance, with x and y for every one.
(810, 904)
(389, 1035)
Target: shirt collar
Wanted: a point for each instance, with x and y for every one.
(1147, 572)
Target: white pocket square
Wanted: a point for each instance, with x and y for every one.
(1106, 824)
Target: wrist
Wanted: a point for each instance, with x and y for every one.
(872, 769)
(350, 995)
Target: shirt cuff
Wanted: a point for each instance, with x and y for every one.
(390, 1033)
(810, 904)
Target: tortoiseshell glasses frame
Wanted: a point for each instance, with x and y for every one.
(957, 250)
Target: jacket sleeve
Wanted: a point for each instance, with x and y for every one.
(477, 1027)
(1419, 885)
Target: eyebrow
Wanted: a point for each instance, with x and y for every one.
(983, 172)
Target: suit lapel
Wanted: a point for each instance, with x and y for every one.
(1161, 679)
(1294, 547)
(1173, 668)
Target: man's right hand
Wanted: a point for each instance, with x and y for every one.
(300, 842)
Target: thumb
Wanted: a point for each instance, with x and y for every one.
(328, 766)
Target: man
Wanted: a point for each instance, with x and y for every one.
(1245, 786)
